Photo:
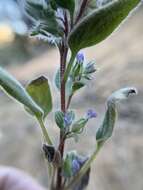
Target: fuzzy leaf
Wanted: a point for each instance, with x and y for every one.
(59, 119)
(79, 125)
(67, 165)
(95, 4)
(16, 90)
(91, 6)
(40, 92)
(68, 84)
(77, 86)
(58, 80)
(43, 16)
(97, 26)
(106, 129)
(70, 5)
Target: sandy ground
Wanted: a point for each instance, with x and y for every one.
(119, 165)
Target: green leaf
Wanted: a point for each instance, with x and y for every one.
(42, 13)
(95, 4)
(79, 125)
(16, 90)
(98, 25)
(91, 6)
(40, 92)
(67, 166)
(67, 4)
(58, 80)
(59, 119)
(69, 85)
(106, 129)
(77, 86)
(53, 4)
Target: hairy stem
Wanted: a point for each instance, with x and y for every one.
(83, 170)
(63, 58)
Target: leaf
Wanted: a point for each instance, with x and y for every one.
(43, 16)
(53, 4)
(40, 92)
(16, 90)
(59, 119)
(69, 85)
(106, 129)
(79, 125)
(67, 4)
(58, 80)
(98, 25)
(95, 4)
(67, 165)
(77, 86)
(91, 5)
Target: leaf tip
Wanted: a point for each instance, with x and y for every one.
(122, 94)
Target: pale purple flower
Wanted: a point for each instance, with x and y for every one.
(75, 166)
(91, 114)
(68, 118)
(80, 57)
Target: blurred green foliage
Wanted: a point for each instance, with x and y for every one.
(20, 51)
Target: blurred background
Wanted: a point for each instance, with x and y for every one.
(120, 63)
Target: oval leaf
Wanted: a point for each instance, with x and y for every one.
(40, 92)
(58, 80)
(106, 129)
(59, 119)
(100, 24)
(16, 90)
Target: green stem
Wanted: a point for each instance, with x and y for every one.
(69, 66)
(53, 178)
(44, 131)
(83, 170)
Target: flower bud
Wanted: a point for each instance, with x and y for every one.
(80, 57)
